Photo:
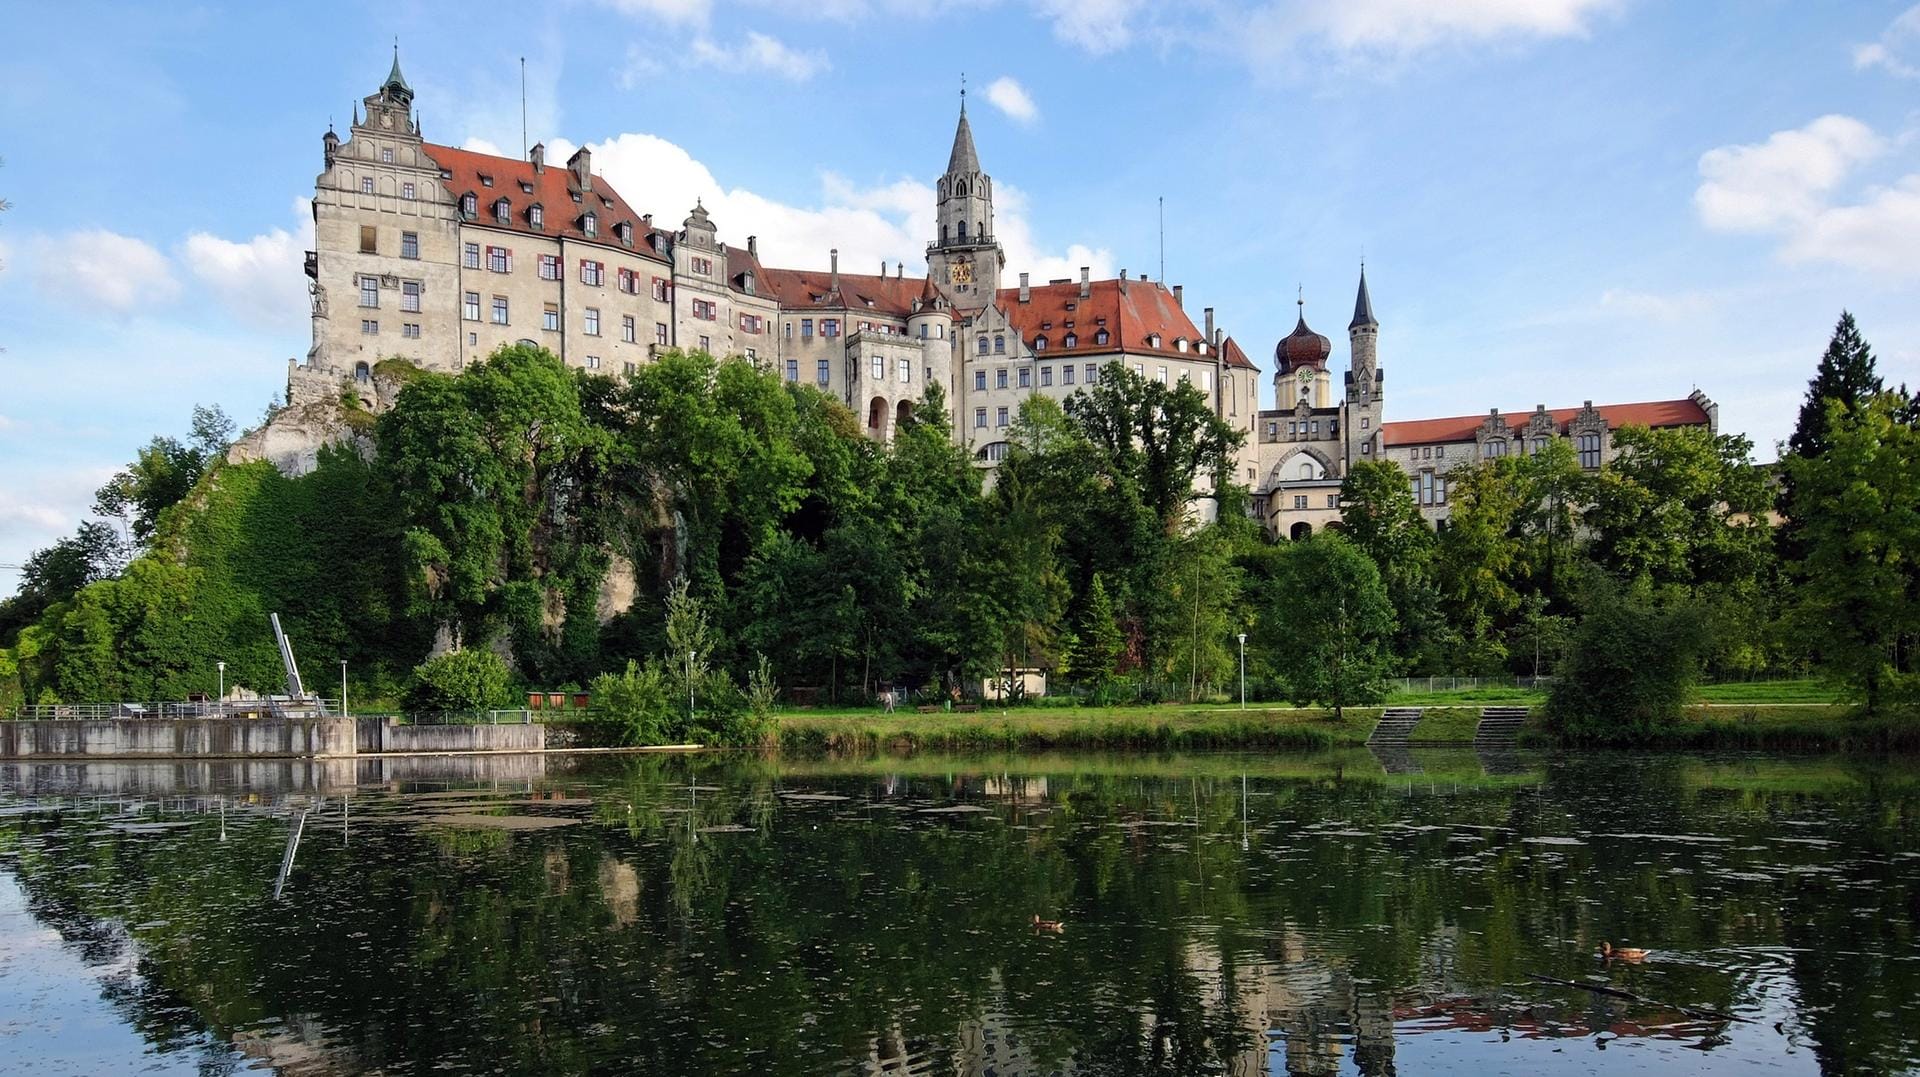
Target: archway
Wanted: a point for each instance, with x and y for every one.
(362, 372)
(1301, 531)
(901, 413)
(877, 418)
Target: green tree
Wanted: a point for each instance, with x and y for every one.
(162, 474)
(1478, 558)
(1860, 573)
(1165, 439)
(1847, 373)
(458, 681)
(1326, 623)
(55, 574)
(1682, 508)
(1629, 670)
(1097, 639)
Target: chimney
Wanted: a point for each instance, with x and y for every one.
(1210, 324)
(538, 155)
(899, 270)
(1086, 289)
(1179, 293)
(753, 246)
(581, 164)
(833, 259)
(1123, 276)
(1025, 292)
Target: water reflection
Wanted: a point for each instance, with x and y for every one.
(1438, 912)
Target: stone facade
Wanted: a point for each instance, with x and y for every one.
(438, 256)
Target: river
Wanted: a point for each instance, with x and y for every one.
(1426, 913)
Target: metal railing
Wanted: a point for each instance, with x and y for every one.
(499, 717)
(175, 709)
(1459, 684)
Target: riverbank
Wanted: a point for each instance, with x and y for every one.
(1794, 726)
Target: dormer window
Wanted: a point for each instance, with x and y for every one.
(1100, 337)
(1153, 340)
(1040, 343)
(502, 211)
(576, 197)
(486, 181)
(469, 205)
(607, 202)
(1070, 341)
(537, 216)
(446, 173)
(590, 224)
(624, 231)
(525, 187)
(1180, 345)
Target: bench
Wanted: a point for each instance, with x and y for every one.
(929, 708)
(965, 708)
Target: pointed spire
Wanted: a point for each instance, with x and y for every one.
(963, 158)
(396, 84)
(1363, 306)
(1300, 300)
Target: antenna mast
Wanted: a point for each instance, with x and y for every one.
(1163, 239)
(523, 106)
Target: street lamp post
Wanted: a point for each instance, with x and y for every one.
(343, 688)
(222, 697)
(1243, 671)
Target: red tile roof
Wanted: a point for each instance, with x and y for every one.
(553, 190)
(801, 289)
(1133, 310)
(1232, 357)
(1653, 413)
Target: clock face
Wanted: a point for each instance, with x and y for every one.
(961, 272)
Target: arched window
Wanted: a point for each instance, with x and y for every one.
(983, 345)
(963, 231)
(943, 234)
(999, 344)
(1040, 343)
(960, 189)
(1306, 469)
(362, 373)
(1069, 341)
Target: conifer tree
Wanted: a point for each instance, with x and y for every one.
(1847, 374)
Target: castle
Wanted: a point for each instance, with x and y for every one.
(441, 255)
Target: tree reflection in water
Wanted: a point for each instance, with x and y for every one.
(1301, 915)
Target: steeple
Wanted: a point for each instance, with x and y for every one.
(396, 86)
(1363, 305)
(963, 159)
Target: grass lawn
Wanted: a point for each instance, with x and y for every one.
(1807, 691)
(1446, 725)
(1165, 726)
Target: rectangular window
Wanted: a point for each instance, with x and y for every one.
(750, 355)
(1139, 371)
(879, 368)
(702, 266)
(410, 296)
(1046, 375)
(623, 279)
(1589, 450)
(366, 185)
(549, 267)
(906, 371)
(409, 244)
(369, 326)
(659, 290)
(1333, 501)
(979, 418)
(1439, 451)
(386, 155)
(1439, 489)
(470, 255)
(629, 329)
(1314, 428)
(1299, 501)
(593, 321)
(829, 327)
(980, 381)
(822, 372)
(705, 310)
(1000, 378)
(410, 330)
(806, 328)
(793, 370)
(1066, 374)
(1000, 417)
(1093, 373)
(705, 346)
(369, 291)
(499, 260)
(500, 310)
(470, 306)
(593, 273)
(659, 332)
(1026, 377)
(1160, 374)
(550, 319)
(406, 191)
(1365, 421)
(630, 369)
(369, 238)
(1206, 381)
(593, 362)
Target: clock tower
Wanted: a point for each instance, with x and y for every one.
(965, 260)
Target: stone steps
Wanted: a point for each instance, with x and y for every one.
(1500, 725)
(1395, 725)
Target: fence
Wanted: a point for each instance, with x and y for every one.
(1464, 684)
(170, 709)
(500, 717)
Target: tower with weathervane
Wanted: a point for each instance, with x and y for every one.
(965, 260)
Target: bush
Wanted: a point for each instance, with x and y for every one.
(458, 681)
(631, 707)
(1629, 672)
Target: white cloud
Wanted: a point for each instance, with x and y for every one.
(1010, 97)
(1653, 306)
(1787, 186)
(888, 222)
(1784, 179)
(1898, 49)
(260, 279)
(678, 12)
(481, 145)
(762, 53)
(1402, 26)
(1097, 26)
(95, 267)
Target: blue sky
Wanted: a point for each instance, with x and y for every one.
(1557, 200)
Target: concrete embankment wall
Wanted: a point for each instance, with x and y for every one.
(122, 737)
(386, 735)
(73, 776)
